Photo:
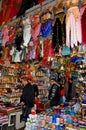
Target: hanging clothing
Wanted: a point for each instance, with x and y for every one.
(46, 28)
(36, 26)
(12, 34)
(35, 31)
(19, 38)
(5, 32)
(15, 54)
(37, 49)
(59, 31)
(32, 51)
(83, 23)
(48, 51)
(26, 30)
(46, 21)
(23, 54)
(73, 30)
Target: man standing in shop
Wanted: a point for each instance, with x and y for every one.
(54, 92)
(27, 98)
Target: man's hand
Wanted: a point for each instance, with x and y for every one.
(22, 103)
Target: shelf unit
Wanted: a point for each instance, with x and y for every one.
(8, 80)
(43, 84)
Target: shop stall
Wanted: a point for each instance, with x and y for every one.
(49, 40)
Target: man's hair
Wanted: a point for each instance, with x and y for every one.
(24, 78)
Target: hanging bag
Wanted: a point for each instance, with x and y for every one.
(66, 51)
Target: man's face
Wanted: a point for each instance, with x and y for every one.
(52, 81)
(24, 82)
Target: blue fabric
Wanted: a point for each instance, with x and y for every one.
(73, 59)
(46, 28)
(79, 59)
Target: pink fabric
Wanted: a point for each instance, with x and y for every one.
(12, 34)
(36, 26)
(35, 31)
(73, 27)
(5, 35)
(35, 17)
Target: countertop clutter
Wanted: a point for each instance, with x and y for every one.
(67, 116)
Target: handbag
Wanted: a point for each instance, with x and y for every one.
(66, 51)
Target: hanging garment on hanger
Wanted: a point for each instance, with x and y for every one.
(59, 31)
(26, 30)
(5, 32)
(23, 54)
(19, 38)
(48, 52)
(15, 54)
(32, 50)
(36, 26)
(46, 21)
(12, 34)
(46, 28)
(73, 30)
(37, 47)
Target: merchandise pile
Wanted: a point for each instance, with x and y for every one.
(67, 116)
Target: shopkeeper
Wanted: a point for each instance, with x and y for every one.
(27, 98)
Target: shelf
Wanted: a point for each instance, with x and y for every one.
(9, 75)
(10, 84)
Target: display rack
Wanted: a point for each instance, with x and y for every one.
(43, 84)
(9, 93)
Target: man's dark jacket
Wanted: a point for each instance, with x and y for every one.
(54, 94)
(28, 95)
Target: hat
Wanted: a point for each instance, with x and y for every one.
(54, 76)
